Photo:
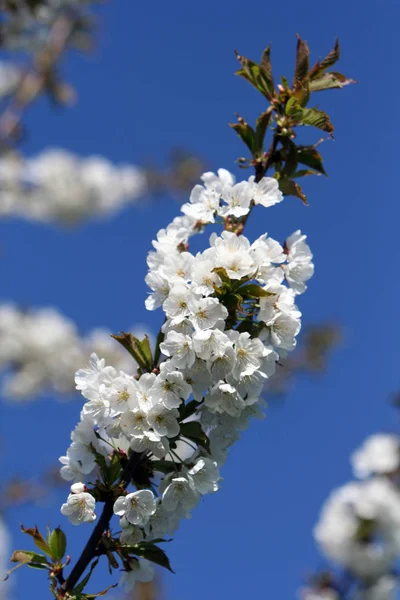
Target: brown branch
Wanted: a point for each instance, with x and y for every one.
(90, 550)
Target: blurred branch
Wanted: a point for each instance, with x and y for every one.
(39, 78)
(45, 32)
(309, 359)
(182, 172)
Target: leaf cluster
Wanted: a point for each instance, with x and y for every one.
(288, 109)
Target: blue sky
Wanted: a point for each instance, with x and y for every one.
(162, 76)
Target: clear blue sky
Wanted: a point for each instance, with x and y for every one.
(162, 76)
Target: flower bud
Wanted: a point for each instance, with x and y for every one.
(78, 488)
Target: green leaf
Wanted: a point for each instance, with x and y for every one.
(164, 466)
(291, 188)
(157, 351)
(293, 108)
(245, 326)
(289, 154)
(233, 302)
(193, 431)
(57, 543)
(39, 540)
(321, 65)
(309, 156)
(330, 80)
(145, 349)
(317, 118)
(246, 133)
(302, 60)
(30, 559)
(81, 586)
(308, 116)
(252, 290)
(151, 552)
(114, 469)
(285, 83)
(255, 75)
(139, 350)
(99, 594)
(261, 127)
(99, 460)
(366, 530)
(222, 274)
(266, 68)
(304, 173)
(301, 92)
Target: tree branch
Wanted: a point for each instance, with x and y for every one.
(89, 551)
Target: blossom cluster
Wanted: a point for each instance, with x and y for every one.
(359, 525)
(57, 185)
(41, 349)
(230, 315)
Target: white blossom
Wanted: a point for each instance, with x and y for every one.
(210, 343)
(225, 398)
(205, 475)
(79, 508)
(206, 312)
(232, 253)
(204, 278)
(204, 204)
(150, 441)
(136, 507)
(179, 495)
(180, 348)
(164, 422)
(130, 534)
(237, 198)
(249, 355)
(266, 192)
(300, 267)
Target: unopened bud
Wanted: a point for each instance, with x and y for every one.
(78, 488)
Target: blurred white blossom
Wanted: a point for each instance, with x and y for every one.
(59, 186)
(379, 454)
(41, 349)
(359, 525)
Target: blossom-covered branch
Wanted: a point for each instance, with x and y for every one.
(230, 314)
